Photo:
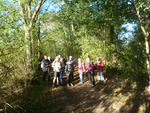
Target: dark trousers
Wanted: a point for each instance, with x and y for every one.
(91, 77)
(72, 73)
(49, 75)
(45, 73)
(69, 78)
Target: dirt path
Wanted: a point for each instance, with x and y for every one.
(117, 96)
(114, 97)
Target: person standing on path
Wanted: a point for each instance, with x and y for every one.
(45, 67)
(100, 69)
(56, 67)
(49, 69)
(69, 73)
(72, 64)
(62, 69)
(90, 67)
(81, 70)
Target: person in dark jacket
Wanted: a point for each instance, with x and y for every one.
(72, 62)
(69, 73)
(45, 67)
(62, 70)
(90, 69)
(49, 69)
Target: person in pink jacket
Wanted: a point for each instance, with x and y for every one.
(90, 67)
(100, 69)
(81, 70)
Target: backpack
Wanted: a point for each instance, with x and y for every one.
(68, 68)
(42, 64)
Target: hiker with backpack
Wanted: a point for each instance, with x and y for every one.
(57, 68)
(90, 67)
(69, 73)
(81, 70)
(62, 70)
(72, 64)
(100, 69)
(45, 65)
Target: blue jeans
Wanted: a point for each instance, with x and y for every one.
(81, 77)
(61, 76)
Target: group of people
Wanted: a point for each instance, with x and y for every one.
(59, 66)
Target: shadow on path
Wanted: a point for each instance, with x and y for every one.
(117, 96)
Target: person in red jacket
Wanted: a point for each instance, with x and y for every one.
(100, 69)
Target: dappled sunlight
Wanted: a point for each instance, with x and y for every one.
(105, 37)
(123, 99)
(116, 96)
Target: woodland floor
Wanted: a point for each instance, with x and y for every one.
(116, 96)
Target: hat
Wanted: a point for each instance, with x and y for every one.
(88, 58)
(98, 58)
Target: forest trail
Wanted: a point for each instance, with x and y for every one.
(116, 96)
(115, 31)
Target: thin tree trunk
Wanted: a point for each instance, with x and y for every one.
(73, 30)
(39, 39)
(113, 41)
(28, 46)
(146, 35)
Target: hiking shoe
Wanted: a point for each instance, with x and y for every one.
(80, 82)
(71, 84)
(53, 85)
(68, 85)
(61, 82)
(104, 82)
(93, 85)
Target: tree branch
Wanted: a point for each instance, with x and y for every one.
(22, 12)
(29, 10)
(36, 11)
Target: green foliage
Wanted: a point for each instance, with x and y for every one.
(132, 60)
(80, 28)
(13, 71)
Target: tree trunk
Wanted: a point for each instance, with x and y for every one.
(39, 31)
(29, 17)
(146, 35)
(28, 46)
(113, 41)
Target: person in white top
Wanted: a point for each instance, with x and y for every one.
(57, 68)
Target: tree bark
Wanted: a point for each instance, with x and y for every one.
(28, 46)
(29, 17)
(39, 31)
(146, 36)
(113, 41)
